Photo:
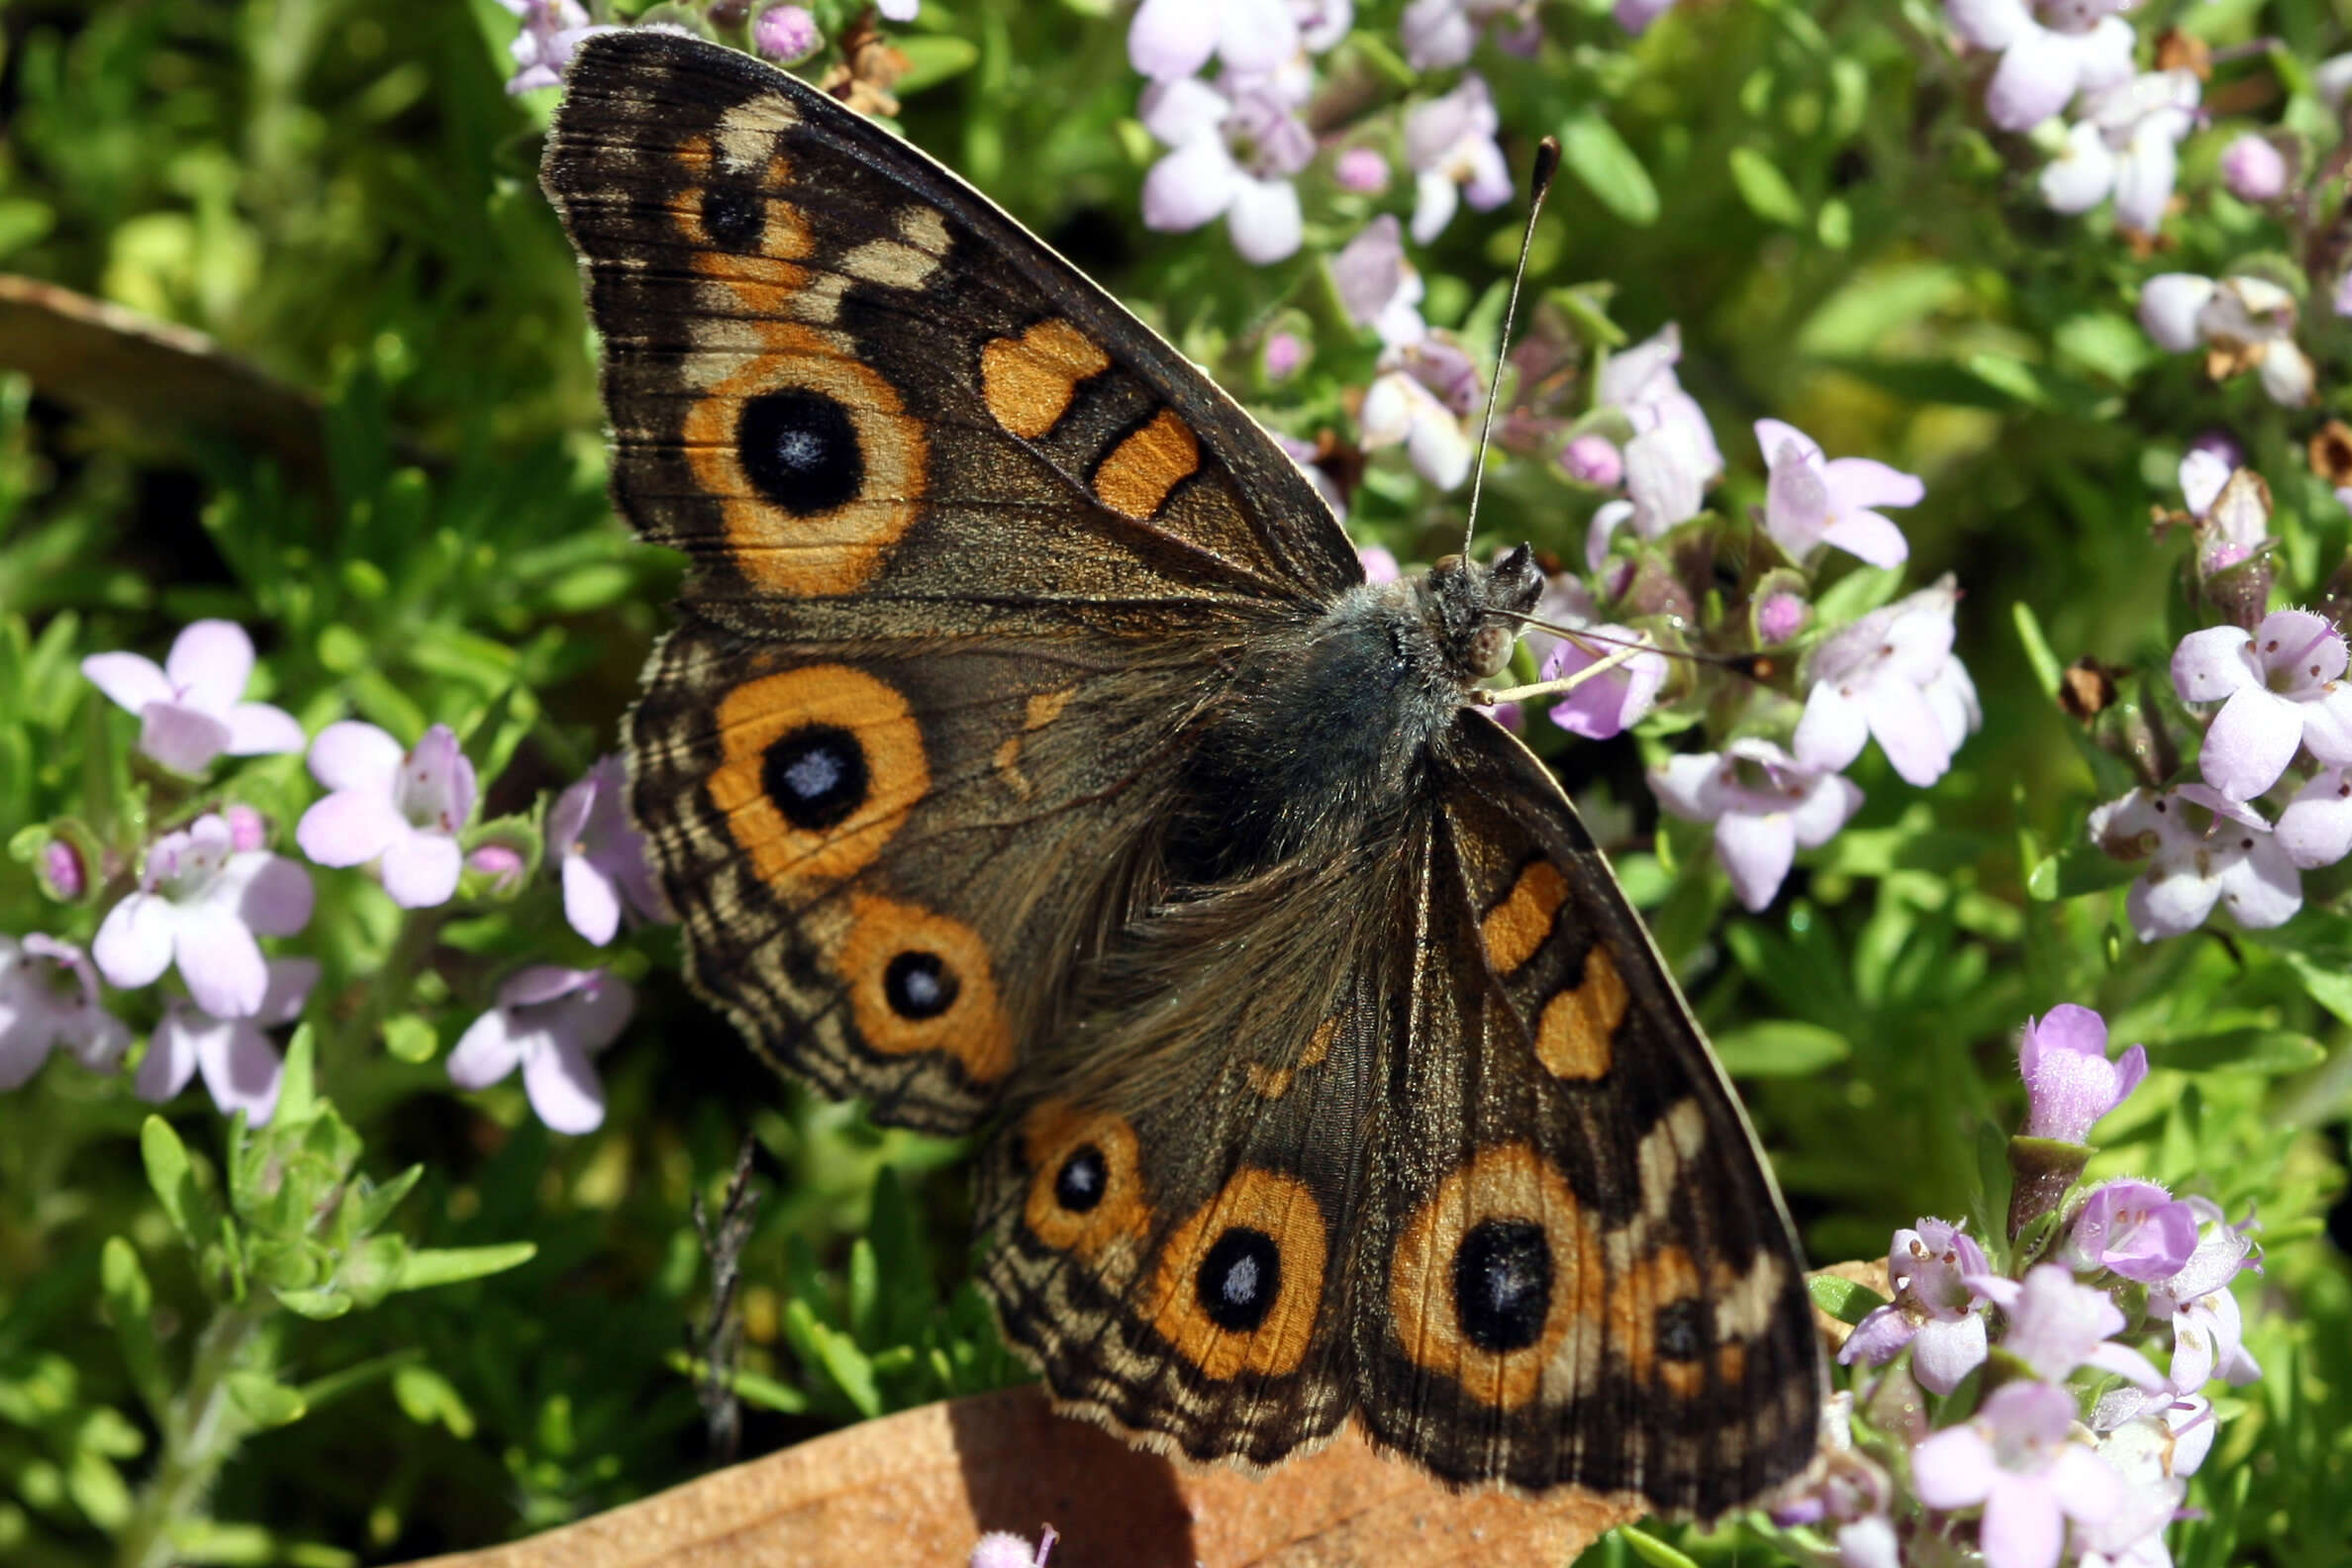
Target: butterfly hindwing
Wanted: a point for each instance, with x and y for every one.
(1583, 1275)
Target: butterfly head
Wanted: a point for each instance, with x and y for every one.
(1474, 609)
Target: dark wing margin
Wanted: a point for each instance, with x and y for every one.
(1586, 1276)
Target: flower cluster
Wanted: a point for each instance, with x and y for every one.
(198, 899)
(2017, 1412)
(2273, 795)
(1774, 784)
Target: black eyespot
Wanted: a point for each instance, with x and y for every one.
(800, 450)
(1503, 1279)
(1680, 1332)
(919, 985)
(816, 775)
(1084, 1175)
(1239, 1279)
(734, 218)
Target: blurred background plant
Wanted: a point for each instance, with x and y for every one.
(2047, 298)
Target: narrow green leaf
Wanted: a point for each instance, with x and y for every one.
(2262, 1050)
(1652, 1550)
(2047, 671)
(263, 1400)
(297, 1090)
(168, 1171)
(431, 1266)
(431, 1400)
(320, 1305)
(1765, 189)
(1845, 1299)
(131, 1306)
(1592, 148)
(1780, 1048)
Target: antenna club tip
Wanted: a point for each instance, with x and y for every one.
(1547, 164)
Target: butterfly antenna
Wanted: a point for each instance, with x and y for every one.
(1547, 164)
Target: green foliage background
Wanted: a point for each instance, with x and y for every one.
(341, 193)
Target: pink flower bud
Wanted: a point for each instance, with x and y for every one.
(1285, 351)
(786, 33)
(501, 864)
(61, 870)
(1594, 460)
(247, 829)
(2254, 170)
(1780, 617)
(1362, 171)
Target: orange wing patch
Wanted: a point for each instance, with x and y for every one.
(1028, 380)
(1573, 1037)
(1134, 480)
(920, 981)
(1515, 928)
(819, 768)
(1239, 1282)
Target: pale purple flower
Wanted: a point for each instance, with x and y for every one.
(549, 1021)
(1362, 171)
(402, 809)
(1442, 33)
(600, 855)
(2069, 1081)
(2151, 1453)
(2315, 828)
(1640, 383)
(1449, 144)
(2208, 1330)
(2280, 687)
(200, 904)
(2056, 1325)
(2343, 300)
(1305, 453)
(1201, 178)
(2018, 1459)
(1780, 617)
(2254, 168)
(1566, 603)
(1594, 460)
(1377, 286)
(1765, 805)
(1666, 477)
(2081, 49)
(1613, 701)
(1282, 355)
(1809, 500)
(2202, 849)
(786, 33)
(49, 998)
(1636, 16)
(1935, 1310)
(243, 1070)
(1173, 38)
(551, 32)
(247, 827)
(1004, 1549)
(2172, 307)
(2231, 506)
(2126, 143)
(1891, 675)
(1380, 563)
(190, 710)
(1421, 400)
(2134, 1228)
(899, 10)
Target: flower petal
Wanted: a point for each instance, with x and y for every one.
(1869, 537)
(2021, 1526)
(276, 894)
(1173, 38)
(129, 680)
(1190, 186)
(243, 1071)
(486, 1052)
(134, 945)
(2315, 828)
(351, 827)
(221, 963)
(1953, 1468)
(1264, 220)
(1757, 849)
(259, 729)
(171, 1060)
(564, 1088)
(2039, 72)
(183, 738)
(1831, 731)
(420, 869)
(2250, 743)
(210, 663)
(350, 755)
(2212, 664)
(590, 900)
(1945, 1351)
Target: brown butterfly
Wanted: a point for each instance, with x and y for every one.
(1033, 753)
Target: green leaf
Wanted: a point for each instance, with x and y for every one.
(431, 1266)
(2078, 869)
(431, 1400)
(1845, 1299)
(1765, 189)
(408, 1038)
(189, 1208)
(131, 1306)
(1609, 169)
(319, 1304)
(933, 58)
(2047, 671)
(297, 1090)
(1780, 1048)
(263, 1400)
(2262, 1050)
(1652, 1550)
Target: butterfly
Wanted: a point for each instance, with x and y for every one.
(1030, 755)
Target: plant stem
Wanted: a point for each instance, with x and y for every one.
(201, 1431)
